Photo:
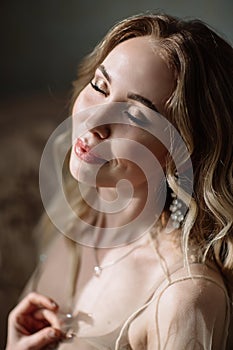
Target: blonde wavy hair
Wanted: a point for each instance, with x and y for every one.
(200, 108)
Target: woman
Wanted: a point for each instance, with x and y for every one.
(165, 284)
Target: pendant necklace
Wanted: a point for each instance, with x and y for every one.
(99, 268)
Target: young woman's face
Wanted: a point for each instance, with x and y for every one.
(135, 74)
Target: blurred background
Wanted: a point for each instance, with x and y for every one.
(42, 43)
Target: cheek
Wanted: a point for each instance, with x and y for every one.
(151, 143)
(87, 98)
(153, 151)
(79, 103)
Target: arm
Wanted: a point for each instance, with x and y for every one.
(191, 314)
(33, 324)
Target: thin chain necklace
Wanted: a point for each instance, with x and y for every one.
(99, 268)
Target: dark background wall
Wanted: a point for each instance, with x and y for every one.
(41, 43)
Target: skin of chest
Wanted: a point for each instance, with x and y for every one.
(118, 291)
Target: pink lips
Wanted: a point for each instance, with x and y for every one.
(83, 152)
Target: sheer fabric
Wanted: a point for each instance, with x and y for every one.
(186, 310)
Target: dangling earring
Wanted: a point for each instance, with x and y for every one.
(177, 216)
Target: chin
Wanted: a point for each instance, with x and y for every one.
(81, 171)
(74, 167)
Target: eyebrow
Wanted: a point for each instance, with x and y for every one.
(142, 100)
(130, 95)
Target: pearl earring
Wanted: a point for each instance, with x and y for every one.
(176, 212)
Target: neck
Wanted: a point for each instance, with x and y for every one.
(120, 207)
(121, 214)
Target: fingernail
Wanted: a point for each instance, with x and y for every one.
(54, 333)
(53, 304)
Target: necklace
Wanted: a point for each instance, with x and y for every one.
(99, 268)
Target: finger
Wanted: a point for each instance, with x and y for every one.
(32, 302)
(28, 324)
(45, 337)
(48, 316)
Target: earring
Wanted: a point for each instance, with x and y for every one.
(176, 213)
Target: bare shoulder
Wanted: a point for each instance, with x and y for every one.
(191, 291)
(189, 309)
(201, 291)
(190, 313)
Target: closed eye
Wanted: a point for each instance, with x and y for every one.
(97, 88)
(142, 121)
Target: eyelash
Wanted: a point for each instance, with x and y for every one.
(96, 88)
(135, 120)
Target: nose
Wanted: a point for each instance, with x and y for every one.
(100, 131)
(100, 122)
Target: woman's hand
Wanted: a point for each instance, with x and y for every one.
(33, 324)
